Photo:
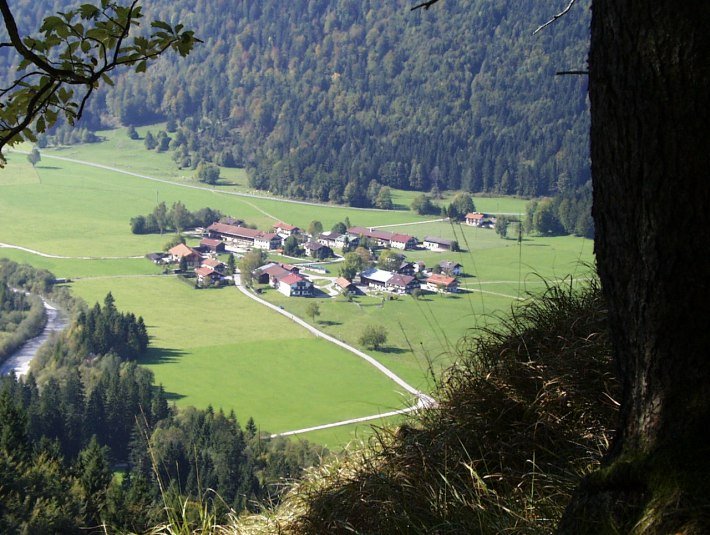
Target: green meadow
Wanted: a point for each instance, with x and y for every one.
(216, 347)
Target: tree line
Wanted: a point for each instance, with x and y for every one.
(174, 219)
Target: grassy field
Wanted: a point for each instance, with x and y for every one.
(422, 334)
(490, 205)
(216, 347)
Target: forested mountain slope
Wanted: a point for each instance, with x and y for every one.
(316, 95)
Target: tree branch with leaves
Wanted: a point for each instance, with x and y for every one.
(71, 55)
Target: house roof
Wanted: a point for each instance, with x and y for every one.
(211, 262)
(448, 264)
(292, 278)
(268, 236)
(274, 270)
(377, 275)
(204, 271)
(440, 241)
(231, 230)
(402, 238)
(284, 226)
(400, 280)
(313, 246)
(371, 233)
(343, 283)
(475, 215)
(210, 242)
(330, 235)
(181, 250)
(441, 280)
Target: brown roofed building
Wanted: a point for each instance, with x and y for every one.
(475, 218)
(285, 230)
(442, 283)
(213, 245)
(181, 251)
(345, 286)
(403, 284)
(294, 285)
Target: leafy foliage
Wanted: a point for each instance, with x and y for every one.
(177, 219)
(74, 52)
(21, 317)
(373, 336)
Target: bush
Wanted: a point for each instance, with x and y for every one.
(373, 337)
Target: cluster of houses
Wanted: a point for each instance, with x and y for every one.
(286, 278)
(403, 280)
(207, 268)
(230, 235)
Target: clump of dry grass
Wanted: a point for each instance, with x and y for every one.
(527, 411)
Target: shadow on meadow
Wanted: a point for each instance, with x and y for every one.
(161, 355)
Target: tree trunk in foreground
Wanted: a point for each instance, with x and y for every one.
(649, 87)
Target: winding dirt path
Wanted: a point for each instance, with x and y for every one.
(61, 257)
(424, 401)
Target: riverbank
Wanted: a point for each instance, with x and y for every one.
(19, 360)
(22, 317)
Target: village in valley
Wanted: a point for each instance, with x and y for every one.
(368, 260)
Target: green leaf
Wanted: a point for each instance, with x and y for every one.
(141, 66)
(85, 46)
(40, 126)
(162, 25)
(51, 23)
(88, 11)
(107, 80)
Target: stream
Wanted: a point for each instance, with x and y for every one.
(19, 361)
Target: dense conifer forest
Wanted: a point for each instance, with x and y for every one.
(318, 98)
(87, 410)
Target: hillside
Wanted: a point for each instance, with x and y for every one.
(528, 410)
(318, 98)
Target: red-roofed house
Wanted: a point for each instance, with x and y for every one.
(244, 236)
(345, 286)
(442, 283)
(205, 274)
(181, 251)
(268, 241)
(294, 285)
(215, 264)
(285, 230)
(475, 219)
(385, 238)
(403, 241)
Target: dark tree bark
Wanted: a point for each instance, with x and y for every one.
(649, 86)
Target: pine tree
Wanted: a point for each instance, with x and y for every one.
(94, 475)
